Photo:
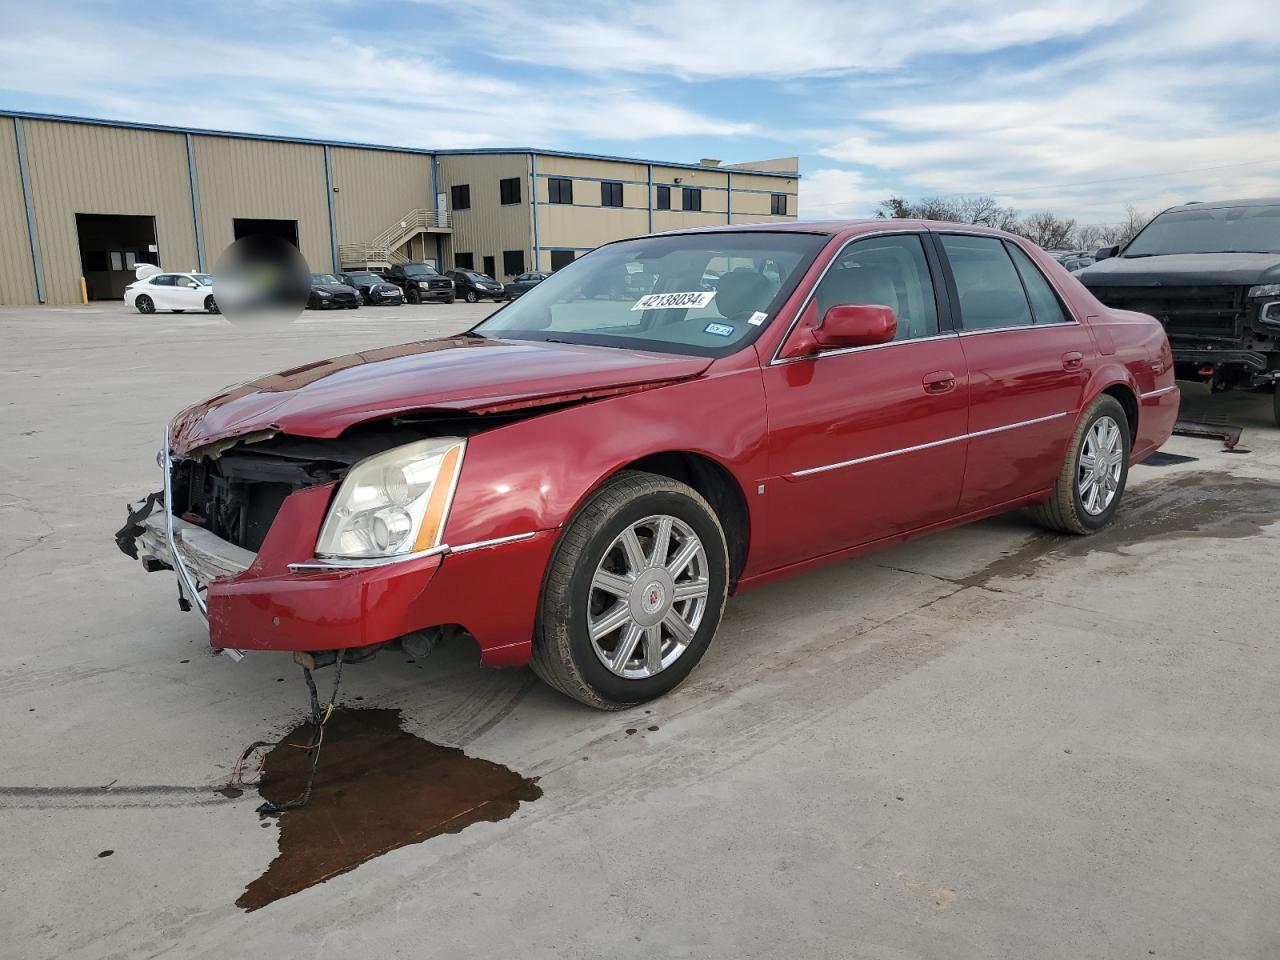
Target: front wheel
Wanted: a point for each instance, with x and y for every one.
(1275, 404)
(472, 297)
(210, 305)
(145, 304)
(413, 296)
(450, 299)
(634, 593)
(1092, 480)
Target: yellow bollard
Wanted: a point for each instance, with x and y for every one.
(84, 292)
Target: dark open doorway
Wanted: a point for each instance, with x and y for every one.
(286, 230)
(489, 267)
(110, 246)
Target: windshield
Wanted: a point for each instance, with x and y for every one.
(365, 277)
(657, 293)
(420, 270)
(203, 279)
(324, 278)
(1210, 230)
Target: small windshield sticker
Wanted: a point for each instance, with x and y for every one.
(758, 318)
(719, 329)
(674, 301)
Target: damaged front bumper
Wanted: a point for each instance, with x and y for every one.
(285, 598)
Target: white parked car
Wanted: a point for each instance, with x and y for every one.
(156, 290)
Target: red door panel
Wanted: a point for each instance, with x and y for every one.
(1025, 387)
(863, 444)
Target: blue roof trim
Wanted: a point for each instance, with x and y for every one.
(309, 141)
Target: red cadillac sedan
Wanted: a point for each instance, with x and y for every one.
(581, 481)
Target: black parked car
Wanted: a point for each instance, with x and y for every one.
(372, 288)
(1210, 272)
(474, 287)
(421, 281)
(328, 292)
(524, 283)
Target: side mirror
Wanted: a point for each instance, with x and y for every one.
(844, 325)
(1106, 253)
(856, 325)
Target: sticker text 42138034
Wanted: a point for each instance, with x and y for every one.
(674, 301)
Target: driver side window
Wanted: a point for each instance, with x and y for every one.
(891, 271)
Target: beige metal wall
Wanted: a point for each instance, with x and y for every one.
(375, 189)
(262, 179)
(17, 275)
(585, 223)
(79, 168)
(489, 227)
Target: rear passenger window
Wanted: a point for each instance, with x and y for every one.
(991, 295)
(1044, 302)
(890, 270)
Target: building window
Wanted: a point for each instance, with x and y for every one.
(778, 205)
(610, 194)
(664, 198)
(461, 195)
(691, 198)
(560, 189)
(464, 261)
(509, 190)
(512, 263)
(561, 258)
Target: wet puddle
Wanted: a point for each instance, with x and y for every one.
(1190, 505)
(378, 788)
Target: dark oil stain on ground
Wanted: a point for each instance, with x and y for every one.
(378, 788)
(1189, 505)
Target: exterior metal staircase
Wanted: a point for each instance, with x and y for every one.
(387, 247)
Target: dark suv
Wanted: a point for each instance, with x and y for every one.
(1210, 272)
(421, 281)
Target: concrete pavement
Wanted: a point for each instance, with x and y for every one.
(987, 743)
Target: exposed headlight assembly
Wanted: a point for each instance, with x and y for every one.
(1265, 290)
(394, 503)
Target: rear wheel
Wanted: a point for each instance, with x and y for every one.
(1092, 480)
(634, 593)
(145, 304)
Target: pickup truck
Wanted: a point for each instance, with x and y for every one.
(1210, 273)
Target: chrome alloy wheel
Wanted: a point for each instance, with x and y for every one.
(1098, 470)
(647, 597)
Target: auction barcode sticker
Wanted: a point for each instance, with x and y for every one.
(674, 301)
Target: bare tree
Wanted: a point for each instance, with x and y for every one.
(1047, 230)
(982, 210)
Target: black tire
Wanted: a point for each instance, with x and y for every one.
(450, 299)
(1275, 404)
(413, 296)
(472, 297)
(179, 311)
(353, 306)
(563, 654)
(145, 304)
(1064, 511)
(210, 305)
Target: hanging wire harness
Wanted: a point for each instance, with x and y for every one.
(318, 718)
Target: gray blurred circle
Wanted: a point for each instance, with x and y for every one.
(260, 281)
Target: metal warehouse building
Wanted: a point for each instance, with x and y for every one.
(83, 198)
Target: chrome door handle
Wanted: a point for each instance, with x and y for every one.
(940, 381)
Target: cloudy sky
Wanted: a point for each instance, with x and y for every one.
(1080, 106)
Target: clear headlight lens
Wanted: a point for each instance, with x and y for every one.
(424, 284)
(394, 503)
(1265, 290)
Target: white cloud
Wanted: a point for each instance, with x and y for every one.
(835, 194)
(355, 90)
(759, 38)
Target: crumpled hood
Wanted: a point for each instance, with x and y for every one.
(455, 373)
(1183, 270)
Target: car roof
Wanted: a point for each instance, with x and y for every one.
(1228, 204)
(836, 228)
